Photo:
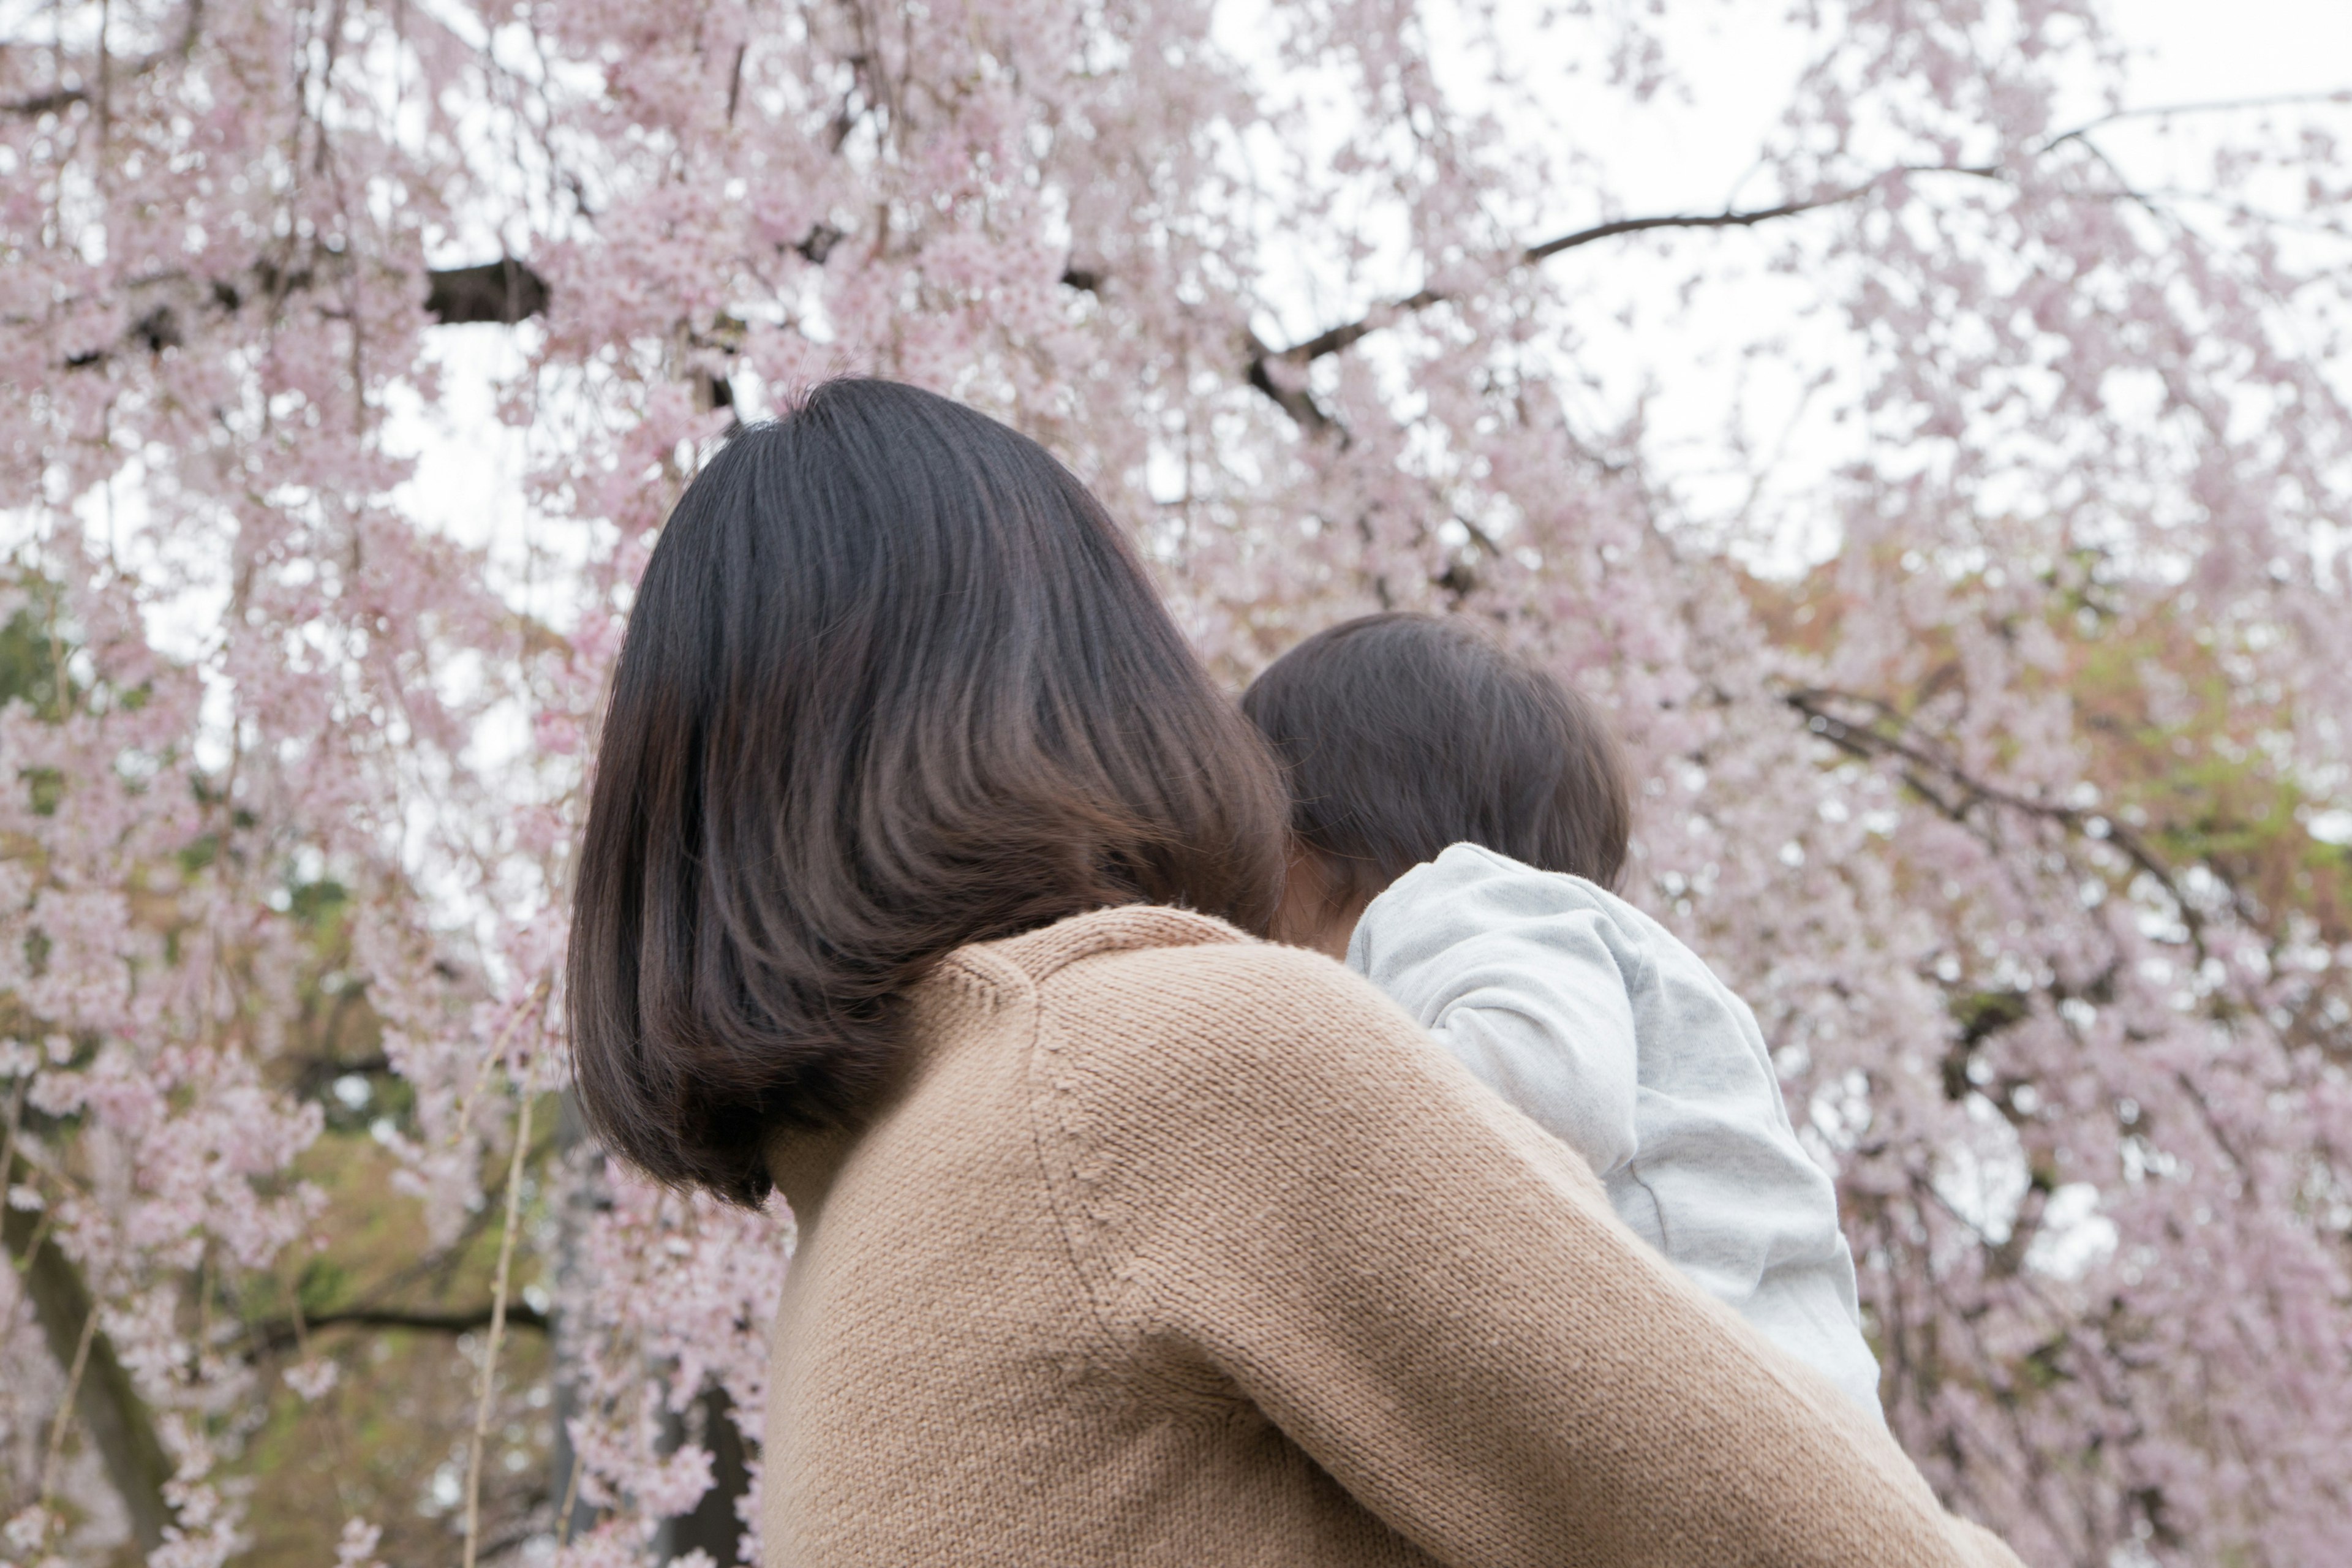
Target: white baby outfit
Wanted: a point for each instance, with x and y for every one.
(1606, 1031)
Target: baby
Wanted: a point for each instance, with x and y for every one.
(1459, 817)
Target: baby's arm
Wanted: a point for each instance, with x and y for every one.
(1523, 979)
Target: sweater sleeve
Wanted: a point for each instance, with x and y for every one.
(1275, 1187)
(1525, 981)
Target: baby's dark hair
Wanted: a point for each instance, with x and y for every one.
(1400, 734)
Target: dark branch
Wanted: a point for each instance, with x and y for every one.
(2208, 106)
(280, 1334)
(1735, 219)
(508, 290)
(1341, 337)
(59, 98)
(1295, 401)
(1303, 408)
(519, 1315)
(112, 1413)
(1953, 791)
(818, 243)
(505, 292)
(1336, 338)
(47, 102)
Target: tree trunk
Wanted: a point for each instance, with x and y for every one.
(112, 1413)
(714, 1526)
(581, 1186)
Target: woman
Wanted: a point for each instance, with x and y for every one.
(915, 882)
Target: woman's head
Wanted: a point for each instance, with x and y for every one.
(894, 682)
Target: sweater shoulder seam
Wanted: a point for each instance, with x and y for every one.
(1123, 1332)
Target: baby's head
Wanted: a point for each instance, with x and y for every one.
(1400, 734)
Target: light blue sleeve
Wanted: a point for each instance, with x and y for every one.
(1525, 979)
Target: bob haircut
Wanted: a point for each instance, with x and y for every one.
(894, 682)
(1402, 735)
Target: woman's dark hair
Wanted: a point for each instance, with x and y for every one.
(1402, 733)
(894, 682)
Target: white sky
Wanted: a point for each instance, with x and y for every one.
(2236, 48)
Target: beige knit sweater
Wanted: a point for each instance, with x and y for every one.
(1176, 1248)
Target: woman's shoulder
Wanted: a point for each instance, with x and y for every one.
(1144, 986)
(1039, 956)
(1169, 1047)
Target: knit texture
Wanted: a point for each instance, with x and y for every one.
(1171, 1246)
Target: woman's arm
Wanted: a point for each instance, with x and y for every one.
(1274, 1183)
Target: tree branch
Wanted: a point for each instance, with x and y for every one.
(111, 1412)
(1748, 218)
(2208, 106)
(508, 290)
(1334, 339)
(280, 1334)
(1959, 790)
(59, 98)
(165, 304)
(1295, 401)
(505, 292)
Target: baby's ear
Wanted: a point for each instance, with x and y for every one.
(1321, 903)
(1299, 919)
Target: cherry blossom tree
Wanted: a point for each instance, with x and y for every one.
(1973, 603)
